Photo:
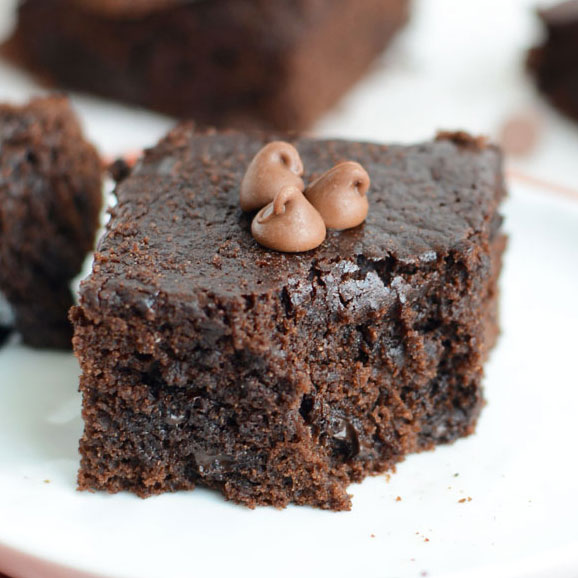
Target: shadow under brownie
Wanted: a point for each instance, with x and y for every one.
(276, 378)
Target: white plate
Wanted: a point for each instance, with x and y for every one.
(519, 469)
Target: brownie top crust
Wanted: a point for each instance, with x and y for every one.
(178, 230)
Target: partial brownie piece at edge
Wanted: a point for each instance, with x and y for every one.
(276, 378)
(50, 199)
(269, 63)
(554, 63)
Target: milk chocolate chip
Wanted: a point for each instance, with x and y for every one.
(289, 224)
(275, 166)
(340, 195)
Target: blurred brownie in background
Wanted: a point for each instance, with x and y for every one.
(50, 200)
(272, 63)
(555, 62)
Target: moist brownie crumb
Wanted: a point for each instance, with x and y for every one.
(278, 378)
(50, 198)
(269, 63)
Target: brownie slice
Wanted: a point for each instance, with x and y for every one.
(276, 378)
(50, 199)
(273, 63)
(555, 63)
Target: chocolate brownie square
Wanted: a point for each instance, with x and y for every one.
(554, 63)
(50, 200)
(272, 62)
(275, 378)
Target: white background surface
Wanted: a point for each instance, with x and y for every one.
(458, 65)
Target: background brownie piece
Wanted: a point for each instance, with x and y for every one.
(50, 199)
(280, 378)
(272, 62)
(555, 62)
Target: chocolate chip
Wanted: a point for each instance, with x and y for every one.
(289, 224)
(340, 195)
(275, 166)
